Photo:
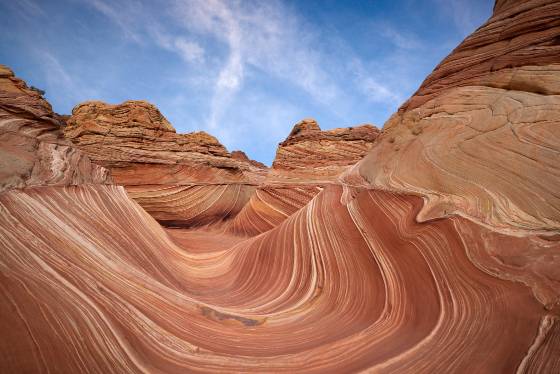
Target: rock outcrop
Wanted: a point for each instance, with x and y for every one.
(139, 146)
(480, 137)
(241, 156)
(311, 154)
(437, 252)
(33, 150)
(181, 179)
(307, 161)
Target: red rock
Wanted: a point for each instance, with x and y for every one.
(33, 150)
(162, 170)
(241, 156)
(311, 154)
(437, 252)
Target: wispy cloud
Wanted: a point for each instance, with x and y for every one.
(244, 70)
(231, 41)
(60, 81)
(121, 13)
(189, 50)
(398, 38)
(265, 36)
(465, 14)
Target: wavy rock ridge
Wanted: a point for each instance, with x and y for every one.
(443, 267)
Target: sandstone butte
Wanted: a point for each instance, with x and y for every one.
(439, 251)
(191, 180)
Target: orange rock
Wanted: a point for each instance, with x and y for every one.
(33, 150)
(173, 176)
(311, 154)
(438, 252)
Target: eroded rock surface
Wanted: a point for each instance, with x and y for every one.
(481, 139)
(438, 252)
(33, 150)
(181, 179)
(138, 145)
(309, 153)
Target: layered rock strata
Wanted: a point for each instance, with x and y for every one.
(33, 150)
(306, 161)
(440, 267)
(123, 297)
(481, 139)
(181, 179)
(309, 153)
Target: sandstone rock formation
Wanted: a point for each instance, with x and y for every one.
(335, 288)
(481, 139)
(139, 146)
(181, 179)
(311, 154)
(33, 150)
(307, 161)
(241, 156)
(438, 252)
(486, 119)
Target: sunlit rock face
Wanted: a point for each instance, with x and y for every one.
(187, 180)
(311, 154)
(181, 179)
(439, 252)
(480, 137)
(306, 161)
(33, 150)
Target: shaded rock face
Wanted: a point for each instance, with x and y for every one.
(438, 252)
(33, 150)
(310, 153)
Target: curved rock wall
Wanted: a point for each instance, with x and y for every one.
(438, 252)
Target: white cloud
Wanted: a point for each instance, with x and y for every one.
(265, 36)
(189, 50)
(465, 14)
(60, 81)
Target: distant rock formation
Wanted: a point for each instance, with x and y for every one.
(190, 180)
(310, 154)
(33, 150)
(241, 156)
(306, 161)
(137, 143)
(181, 179)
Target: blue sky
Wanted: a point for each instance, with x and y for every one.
(244, 71)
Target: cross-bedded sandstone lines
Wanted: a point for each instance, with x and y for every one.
(333, 288)
(192, 206)
(437, 252)
(310, 154)
(269, 206)
(480, 138)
